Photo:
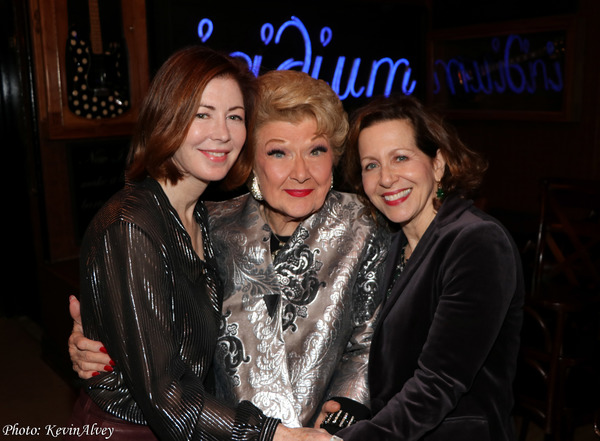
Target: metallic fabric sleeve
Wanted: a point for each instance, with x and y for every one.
(156, 306)
(350, 377)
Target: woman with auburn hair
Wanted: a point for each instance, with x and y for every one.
(444, 350)
(150, 287)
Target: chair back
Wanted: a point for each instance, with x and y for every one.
(568, 241)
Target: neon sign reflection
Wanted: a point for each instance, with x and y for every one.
(518, 70)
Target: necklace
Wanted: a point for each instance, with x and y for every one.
(402, 262)
(277, 243)
(398, 270)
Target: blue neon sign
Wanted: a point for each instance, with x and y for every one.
(312, 65)
(516, 69)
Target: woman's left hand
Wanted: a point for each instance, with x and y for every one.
(87, 355)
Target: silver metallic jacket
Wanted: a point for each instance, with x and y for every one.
(315, 344)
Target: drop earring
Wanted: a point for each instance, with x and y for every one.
(440, 192)
(255, 188)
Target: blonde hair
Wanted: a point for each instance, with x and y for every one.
(291, 96)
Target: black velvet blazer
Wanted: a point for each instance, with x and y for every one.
(444, 351)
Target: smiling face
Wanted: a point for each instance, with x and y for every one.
(294, 168)
(216, 135)
(398, 178)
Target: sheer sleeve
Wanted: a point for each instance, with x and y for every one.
(130, 302)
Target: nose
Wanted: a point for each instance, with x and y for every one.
(387, 177)
(220, 130)
(300, 170)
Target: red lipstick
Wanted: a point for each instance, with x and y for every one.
(396, 197)
(299, 193)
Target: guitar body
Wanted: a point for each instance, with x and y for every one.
(97, 81)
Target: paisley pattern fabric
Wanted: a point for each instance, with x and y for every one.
(315, 344)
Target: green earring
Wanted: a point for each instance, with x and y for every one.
(440, 192)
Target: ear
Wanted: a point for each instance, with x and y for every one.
(439, 165)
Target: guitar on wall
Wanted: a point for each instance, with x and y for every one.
(97, 78)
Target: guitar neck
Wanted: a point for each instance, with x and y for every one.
(95, 30)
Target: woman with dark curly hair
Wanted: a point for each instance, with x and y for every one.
(444, 350)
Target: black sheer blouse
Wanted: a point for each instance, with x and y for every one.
(156, 306)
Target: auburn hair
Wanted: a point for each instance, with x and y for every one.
(171, 104)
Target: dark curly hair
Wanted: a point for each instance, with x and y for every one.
(464, 168)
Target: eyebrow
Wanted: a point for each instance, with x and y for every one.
(370, 158)
(283, 140)
(277, 141)
(208, 106)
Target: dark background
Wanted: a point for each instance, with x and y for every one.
(68, 188)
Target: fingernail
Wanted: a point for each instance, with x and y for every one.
(95, 374)
(103, 349)
(112, 363)
(107, 368)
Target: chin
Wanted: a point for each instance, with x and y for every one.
(298, 216)
(392, 216)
